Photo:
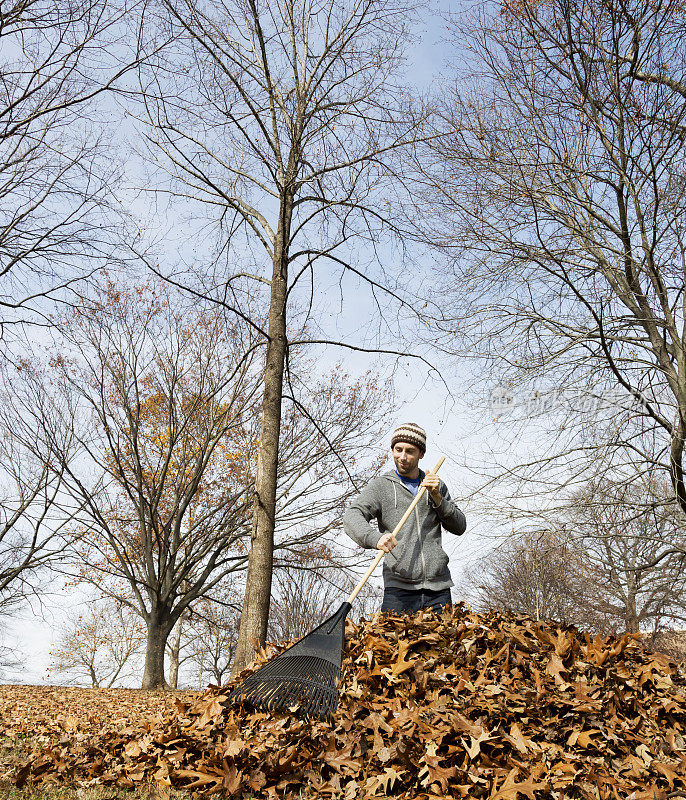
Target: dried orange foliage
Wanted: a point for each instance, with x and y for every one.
(451, 706)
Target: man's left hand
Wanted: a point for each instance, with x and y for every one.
(433, 483)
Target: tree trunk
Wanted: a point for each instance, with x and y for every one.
(174, 655)
(630, 613)
(676, 460)
(255, 612)
(153, 673)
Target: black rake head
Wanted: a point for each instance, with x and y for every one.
(303, 678)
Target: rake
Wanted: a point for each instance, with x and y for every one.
(306, 675)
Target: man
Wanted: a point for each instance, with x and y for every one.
(415, 570)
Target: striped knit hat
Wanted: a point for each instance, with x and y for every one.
(411, 433)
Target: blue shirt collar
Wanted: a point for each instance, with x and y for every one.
(414, 481)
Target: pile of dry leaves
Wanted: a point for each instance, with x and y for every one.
(463, 705)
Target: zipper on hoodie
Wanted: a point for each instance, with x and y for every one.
(421, 543)
(419, 530)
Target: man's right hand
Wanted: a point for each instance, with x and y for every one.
(386, 543)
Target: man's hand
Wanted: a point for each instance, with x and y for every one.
(433, 483)
(386, 543)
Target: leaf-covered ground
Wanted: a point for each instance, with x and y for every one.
(452, 706)
(32, 717)
(56, 712)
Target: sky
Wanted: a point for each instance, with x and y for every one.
(458, 425)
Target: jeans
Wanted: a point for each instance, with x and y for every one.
(411, 600)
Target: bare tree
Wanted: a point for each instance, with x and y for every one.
(156, 394)
(100, 646)
(282, 120)
(182, 647)
(36, 513)
(598, 568)
(534, 574)
(56, 181)
(557, 191)
(12, 657)
(622, 539)
(214, 628)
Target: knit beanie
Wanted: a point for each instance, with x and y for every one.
(410, 433)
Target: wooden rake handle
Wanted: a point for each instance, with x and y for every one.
(381, 553)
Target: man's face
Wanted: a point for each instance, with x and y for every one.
(406, 457)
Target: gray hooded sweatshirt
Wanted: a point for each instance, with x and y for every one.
(418, 561)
